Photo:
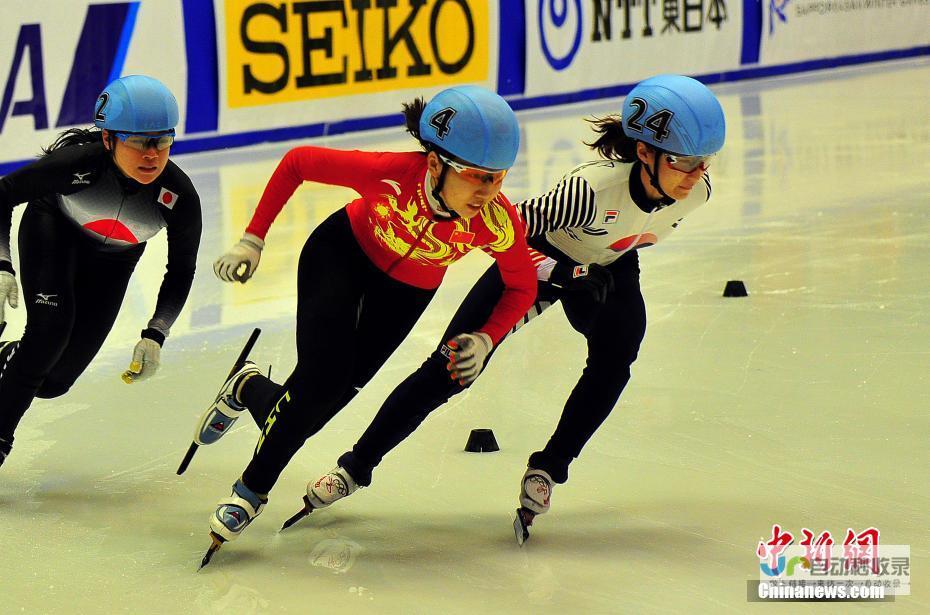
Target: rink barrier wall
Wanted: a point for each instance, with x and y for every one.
(749, 43)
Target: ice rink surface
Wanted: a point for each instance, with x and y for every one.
(804, 404)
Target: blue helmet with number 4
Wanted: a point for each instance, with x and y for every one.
(676, 114)
(136, 103)
(473, 124)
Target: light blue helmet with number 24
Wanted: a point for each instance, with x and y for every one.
(474, 125)
(675, 114)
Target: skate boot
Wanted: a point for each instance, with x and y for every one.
(535, 491)
(5, 448)
(218, 418)
(233, 514)
(332, 486)
(226, 408)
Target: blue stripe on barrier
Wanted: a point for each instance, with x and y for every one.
(511, 57)
(752, 31)
(203, 80)
(186, 145)
(123, 46)
(104, 30)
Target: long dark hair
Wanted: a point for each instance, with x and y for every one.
(413, 111)
(612, 143)
(73, 136)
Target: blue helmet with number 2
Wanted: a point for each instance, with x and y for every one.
(676, 114)
(473, 124)
(136, 103)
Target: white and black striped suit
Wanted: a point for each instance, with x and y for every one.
(598, 213)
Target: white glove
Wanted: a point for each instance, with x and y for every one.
(9, 292)
(469, 352)
(145, 361)
(241, 261)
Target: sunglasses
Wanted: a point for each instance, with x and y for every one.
(475, 175)
(142, 142)
(688, 164)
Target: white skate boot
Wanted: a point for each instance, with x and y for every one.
(226, 408)
(535, 492)
(332, 486)
(234, 513)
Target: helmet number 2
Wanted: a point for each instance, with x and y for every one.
(657, 122)
(440, 121)
(100, 116)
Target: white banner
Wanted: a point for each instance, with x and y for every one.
(298, 63)
(574, 45)
(56, 57)
(798, 30)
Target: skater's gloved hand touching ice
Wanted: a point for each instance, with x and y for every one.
(469, 352)
(594, 279)
(146, 358)
(240, 263)
(9, 293)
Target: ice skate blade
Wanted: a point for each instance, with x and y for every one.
(217, 543)
(306, 510)
(187, 458)
(521, 525)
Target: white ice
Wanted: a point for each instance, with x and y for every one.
(804, 404)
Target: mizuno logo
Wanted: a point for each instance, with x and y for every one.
(79, 178)
(46, 299)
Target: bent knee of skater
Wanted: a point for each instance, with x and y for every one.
(51, 390)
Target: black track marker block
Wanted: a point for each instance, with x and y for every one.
(735, 288)
(481, 441)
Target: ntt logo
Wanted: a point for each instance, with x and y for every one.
(559, 22)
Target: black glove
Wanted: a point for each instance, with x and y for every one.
(594, 279)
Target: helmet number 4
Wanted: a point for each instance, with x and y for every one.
(657, 122)
(440, 121)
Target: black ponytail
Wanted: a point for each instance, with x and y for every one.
(73, 136)
(413, 111)
(612, 143)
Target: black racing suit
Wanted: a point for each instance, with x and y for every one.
(84, 229)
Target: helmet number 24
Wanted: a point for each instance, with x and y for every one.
(657, 122)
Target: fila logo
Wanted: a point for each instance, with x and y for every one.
(580, 271)
(446, 351)
(167, 198)
(79, 178)
(46, 299)
(610, 216)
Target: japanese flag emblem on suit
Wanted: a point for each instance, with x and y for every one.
(167, 198)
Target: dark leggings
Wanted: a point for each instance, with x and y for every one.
(72, 292)
(350, 317)
(614, 332)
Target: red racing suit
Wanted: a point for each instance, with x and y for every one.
(396, 228)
